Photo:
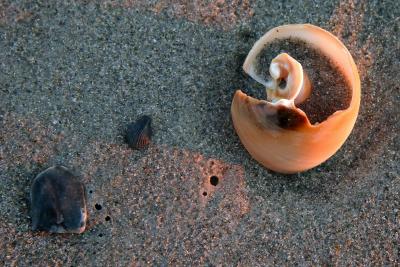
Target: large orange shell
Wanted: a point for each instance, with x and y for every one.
(295, 145)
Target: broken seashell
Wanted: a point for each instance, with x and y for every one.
(58, 202)
(279, 134)
(139, 133)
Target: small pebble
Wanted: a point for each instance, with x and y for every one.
(58, 202)
(139, 133)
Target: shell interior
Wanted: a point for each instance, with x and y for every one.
(330, 90)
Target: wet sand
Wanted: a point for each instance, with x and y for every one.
(73, 75)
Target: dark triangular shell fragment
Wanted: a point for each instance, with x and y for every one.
(139, 133)
(58, 202)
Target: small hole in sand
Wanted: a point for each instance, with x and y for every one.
(204, 193)
(107, 218)
(97, 206)
(90, 191)
(214, 180)
(100, 235)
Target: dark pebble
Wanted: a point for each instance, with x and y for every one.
(58, 202)
(139, 133)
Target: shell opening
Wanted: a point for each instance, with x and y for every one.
(325, 88)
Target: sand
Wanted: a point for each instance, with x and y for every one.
(74, 74)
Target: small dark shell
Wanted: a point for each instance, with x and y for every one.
(139, 133)
(58, 202)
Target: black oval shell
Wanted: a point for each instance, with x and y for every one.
(139, 133)
(58, 202)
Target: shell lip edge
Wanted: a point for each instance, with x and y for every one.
(242, 98)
